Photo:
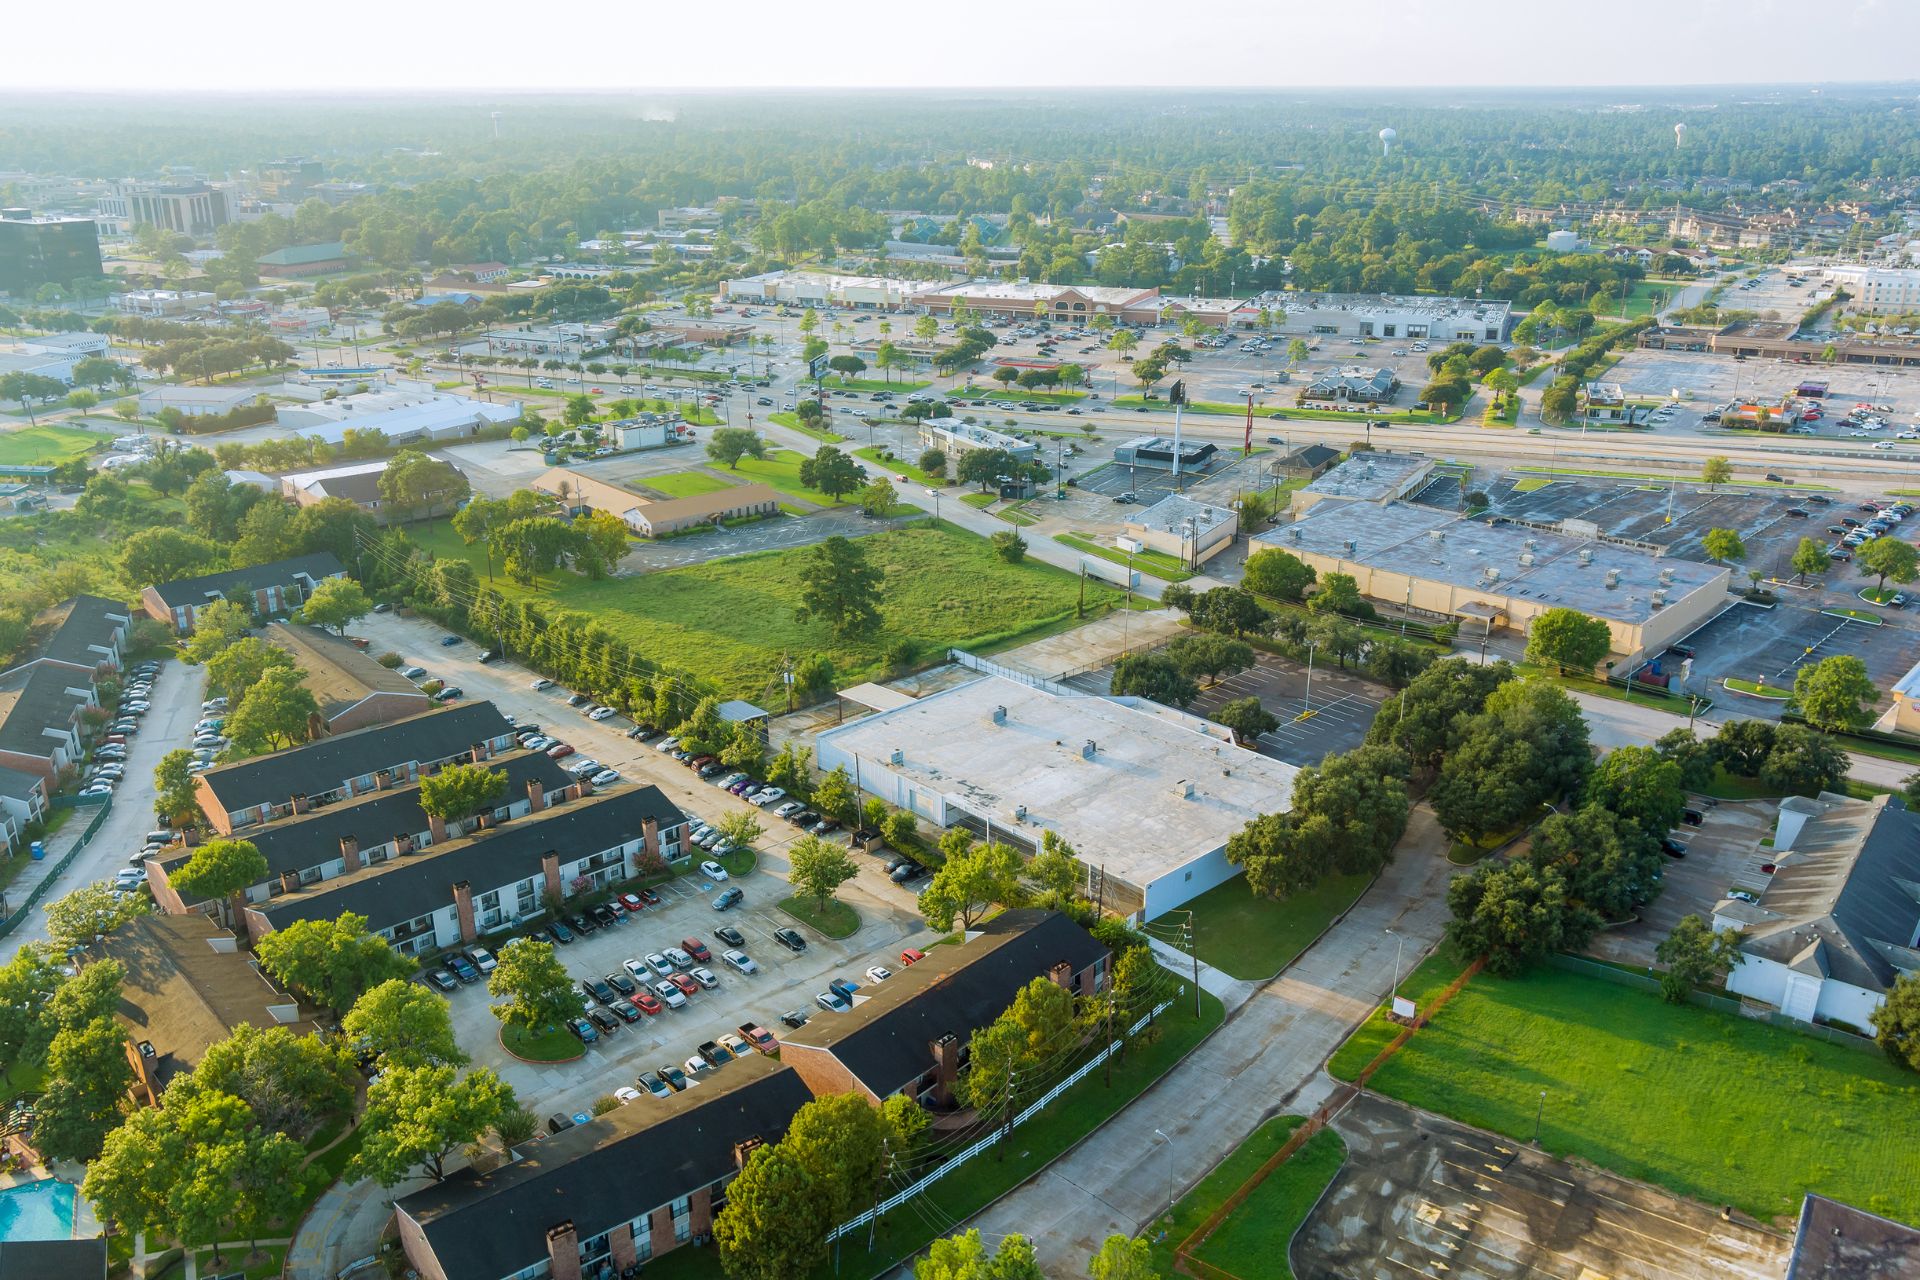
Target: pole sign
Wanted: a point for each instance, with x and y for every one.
(817, 367)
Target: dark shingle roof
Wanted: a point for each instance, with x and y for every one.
(611, 1170)
(886, 1041)
(17, 784)
(321, 766)
(1836, 1241)
(311, 838)
(194, 591)
(34, 699)
(53, 1259)
(394, 892)
(68, 631)
(339, 676)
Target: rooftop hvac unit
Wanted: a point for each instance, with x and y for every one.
(1350, 545)
(1492, 574)
(1613, 579)
(897, 756)
(1184, 788)
(1586, 556)
(999, 715)
(1087, 749)
(1659, 599)
(1438, 535)
(1526, 558)
(1019, 813)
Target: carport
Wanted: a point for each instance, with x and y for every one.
(868, 696)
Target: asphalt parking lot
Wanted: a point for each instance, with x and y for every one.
(1723, 852)
(1675, 516)
(1769, 645)
(1421, 1196)
(785, 981)
(1706, 381)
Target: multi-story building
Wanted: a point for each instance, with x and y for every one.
(289, 181)
(350, 690)
(822, 289)
(190, 208)
(1880, 291)
(267, 589)
(36, 251)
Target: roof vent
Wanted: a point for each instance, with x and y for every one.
(1185, 789)
(999, 715)
(1613, 579)
(1526, 558)
(1019, 813)
(1586, 556)
(1087, 749)
(897, 756)
(1492, 573)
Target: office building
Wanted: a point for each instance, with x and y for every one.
(36, 251)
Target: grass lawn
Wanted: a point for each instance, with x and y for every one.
(1212, 1191)
(1428, 979)
(1530, 484)
(1253, 1240)
(839, 383)
(1758, 690)
(684, 484)
(1016, 394)
(1728, 786)
(791, 421)
(1668, 479)
(781, 470)
(1711, 1106)
(1855, 615)
(555, 1044)
(1251, 937)
(898, 466)
(837, 921)
(1158, 563)
(732, 620)
(1644, 697)
(738, 862)
(1879, 595)
(980, 500)
(1017, 516)
(34, 446)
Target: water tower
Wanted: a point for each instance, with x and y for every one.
(1387, 137)
(1680, 135)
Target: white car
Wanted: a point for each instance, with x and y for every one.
(879, 973)
(626, 1093)
(740, 961)
(483, 959)
(788, 809)
(602, 713)
(605, 778)
(670, 995)
(769, 796)
(538, 742)
(638, 970)
(703, 976)
(1883, 444)
(666, 744)
(541, 682)
(713, 870)
(585, 768)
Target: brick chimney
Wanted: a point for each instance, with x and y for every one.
(289, 882)
(437, 828)
(946, 1066)
(550, 868)
(383, 780)
(1061, 975)
(700, 1212)
(482, 751)
(403, 844)
(350, 853)
(650, 835)
(536, 796)
(463, 908)
(563, 1251)
(300, 803)
(743, 1151)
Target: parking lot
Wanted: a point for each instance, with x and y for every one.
(1706, 381)
(785, 981)
(1420, 1196)
(1723, 853)
(1769, 645)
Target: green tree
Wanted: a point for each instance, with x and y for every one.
(404, 1023)
(1515, 914)
(965, 886)
(1640, 785)
(414, 483)
(1810, 557)
(1610, 862)
(1803, 761)
(417, 1116)
(877, 497)
(705, 731)
(238, 667)
(1835, 693)
(330, 962)
(335, 602)
(901, 830)
(730, 444)
(87, 1080)
(1723, 546)
(817, 869)
(1209, 656)
(745, 750)
(1337, 593)
(277, 711)
(533, 986)
(1432, 714)
(1741, 746)
(1896, 1023)
(1694, 758)
(221, 869)
(840, 588)
(458, 791)
(967, 1257)
(1153, 676)
(831, 472)
(173, 784)
(933, 464)
(88, 996)
(265, 534)
(773, 1226)
(792, 770)
(219, 624)
(1247, 718)
(836, 797)
(291, 1083)
(1122, 1258)
(1889, 558)
(1280, 574)
(89, 912)
(1716, 471)
(1009, 546)
(1056, 868)
(1569, 640)
(741, 828)
(155, 556)
(27, 986)
(1695, 955)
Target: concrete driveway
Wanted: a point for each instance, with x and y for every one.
(176, 697)
(1423, 1196)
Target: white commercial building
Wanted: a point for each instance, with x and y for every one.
(1179, 526)
(162, 302)
(954, 437)
(1838, 922)
(822, 289)
(1382, 315)
(1879, 290)
(195, 400)
(403, 415)
(1146, 795)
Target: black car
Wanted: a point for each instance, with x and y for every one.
(1672, 848)
(824, 826)
(789, 939)
(463, 968)
(559, 1120)
(442, 979)
(603, 915)
(728, 898)
(607, 1023)
(581, 924)
(912, 871)
(620, 982)
(1800, 512)
(730, 935)
(626, 1011)
(559, 932)
(1692, 817)
(1819, 498)
(583, 1029)
(794, 1018)
(577, 699)
(676, 1078)
(598, 989)
(804, 818)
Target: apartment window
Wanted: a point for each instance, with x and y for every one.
(490, 901)
(683, 1219)
(594, 1249)
(310, 875)
(642, 1229)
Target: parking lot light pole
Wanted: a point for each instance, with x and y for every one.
(935, 495)
(1169, 1141)
(1309, 694)
(1400, 942)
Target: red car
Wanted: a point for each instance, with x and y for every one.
(911, 954)
(687, 985)
(559, 751)
(646, 1002)
(649, 897)
(630, 903)
(696, 948)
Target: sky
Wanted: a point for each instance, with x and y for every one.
(353, 45)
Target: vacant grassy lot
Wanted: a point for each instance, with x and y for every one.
(791, 421)
(48, 445)
(1714, 1107)
(839, 383)
(1253, 1240)
(733, 620)
(1254, 938)
(780, 469)
(1212, 1191)
(1426, 981)
(1158, 563)
(684, 484)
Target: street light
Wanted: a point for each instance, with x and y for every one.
(1309, 695)
(1132, 547)
(1399, 945)
(935, 495)
(1169, 1141)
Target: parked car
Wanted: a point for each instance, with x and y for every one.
(660, 965)
(713, 870)
(598, 989)
(728, 898)
(730, 935)
(559, 932)
(790, 939)
(686, 984)
(794, 1018)
(704, 976)
(739, 962)
(674, 1077)
(879, 973)
(463, 968)
(670, 995)
(447, 642)
(621, 982)
(604, 1020)
(653, 1084)
(586, 1033)
(843, 988)
(832, 1002)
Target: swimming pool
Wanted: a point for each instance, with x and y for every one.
(40, 1210)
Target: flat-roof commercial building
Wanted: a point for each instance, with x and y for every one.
(1179, 526)
(1839, 919)
(654, 517)
(1487, 575)
(822, 289)
(297, 261)
(36, 251)
(278, 587)
(339, 839)
(1145, 794)
(1157, 453)
(622, 1189)
(1834, 1241)
(402, 416)
(954, 438)
(1780, 340)
(908, 1035)
(1381, 315)
(1027, 300)
(436, 897)
(249, 792)
(195, 400)
(351, 690)
(188, 986)
(1365, 477)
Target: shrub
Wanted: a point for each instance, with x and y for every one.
(390, 660)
